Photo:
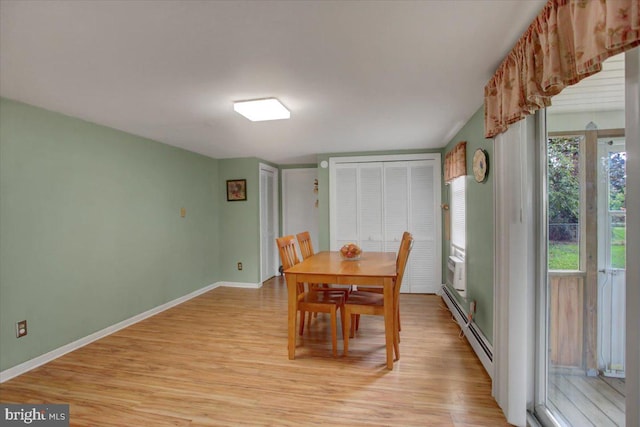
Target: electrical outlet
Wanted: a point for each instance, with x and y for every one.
(183, 212)
(21, 328)
(239, 266)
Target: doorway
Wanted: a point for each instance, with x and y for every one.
(268, 221)
(300, 202)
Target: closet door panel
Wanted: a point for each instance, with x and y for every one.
(346, 191)
(370, 203)
(422, 201)
(422, 269)
(396, 209)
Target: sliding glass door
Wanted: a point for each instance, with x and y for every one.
(581, 349)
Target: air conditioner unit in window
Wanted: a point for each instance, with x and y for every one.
(457, 276)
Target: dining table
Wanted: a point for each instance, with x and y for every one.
(371, 269)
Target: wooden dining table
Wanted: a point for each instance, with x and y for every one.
(372, 269)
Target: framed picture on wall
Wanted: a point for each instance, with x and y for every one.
(236, 190)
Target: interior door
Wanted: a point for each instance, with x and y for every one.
(268, 221)
(299, 202)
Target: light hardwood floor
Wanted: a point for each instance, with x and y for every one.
(221, 360)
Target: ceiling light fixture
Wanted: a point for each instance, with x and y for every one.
(258, 110)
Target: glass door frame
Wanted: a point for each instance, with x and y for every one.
(537, 390)
(589, 142)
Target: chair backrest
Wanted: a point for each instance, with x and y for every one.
(306, 247)
(289, 255)
(401, 262)
(287, 250)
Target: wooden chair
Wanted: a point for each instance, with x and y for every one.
(306, 249)
(379, 290)
(308, 301)
(372, 303)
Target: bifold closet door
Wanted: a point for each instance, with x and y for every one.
(375, 202)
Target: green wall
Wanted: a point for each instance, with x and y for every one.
(240, 222)
(91, 233)
(479, 221)
(90, 227)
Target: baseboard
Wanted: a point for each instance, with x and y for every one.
(479, 343)
(20, 369)
(240, 285)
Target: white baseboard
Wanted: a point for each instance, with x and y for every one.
(20, 369)
(479, 343)
(240, 285)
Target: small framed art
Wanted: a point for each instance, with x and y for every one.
(236, 190)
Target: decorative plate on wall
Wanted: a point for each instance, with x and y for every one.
(480, 165)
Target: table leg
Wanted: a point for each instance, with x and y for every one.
(389, 322)
(291, 292)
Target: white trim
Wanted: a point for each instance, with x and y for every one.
(539, 386)
(632, 132)
(384, 158)
(514, 269)
(477, 340)
(24, 367)
(276, 225)
(247, 285)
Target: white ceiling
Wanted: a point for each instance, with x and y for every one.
(356, 75)
(603, 91)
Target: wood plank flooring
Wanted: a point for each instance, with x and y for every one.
(221, 360)
(588, 401)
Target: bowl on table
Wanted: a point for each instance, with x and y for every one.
(350, 252)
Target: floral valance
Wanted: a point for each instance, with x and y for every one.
(567, 42)
(455, 162)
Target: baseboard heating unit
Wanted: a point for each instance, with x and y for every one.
(479, 343)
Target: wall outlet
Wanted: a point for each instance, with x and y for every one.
(21, 328)
(239, 266)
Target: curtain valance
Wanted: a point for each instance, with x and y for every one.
(455, 162)
(567, 42)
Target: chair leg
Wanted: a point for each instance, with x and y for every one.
(396, 344)
(346, 327)
(310, 316)
(357, 322)
(302, 316)
(334, 331)
(354, 325)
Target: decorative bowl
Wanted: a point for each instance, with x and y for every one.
(350, 252)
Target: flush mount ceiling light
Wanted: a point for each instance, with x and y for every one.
(258, 110)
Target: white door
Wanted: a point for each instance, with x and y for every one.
(268, 222)
(374, 202)
(424, 266)
(299, 202)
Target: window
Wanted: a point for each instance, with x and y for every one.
(458, 216)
